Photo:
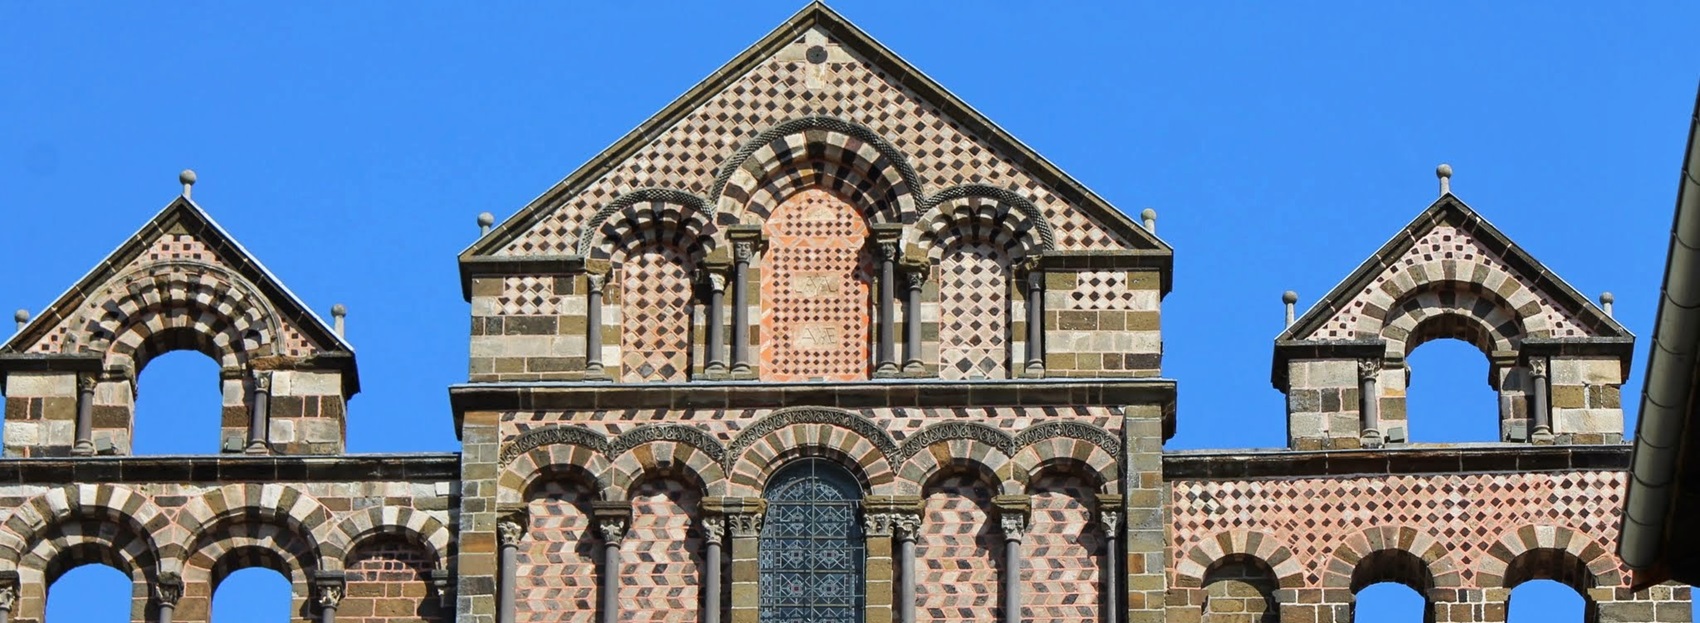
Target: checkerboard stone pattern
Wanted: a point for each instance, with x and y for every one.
(557, 559)
(956, 553)
(1061, 554)
(815, 289)
(655, 334)
(687, 154)
(388, 581)
(661, 556)
(974, 311)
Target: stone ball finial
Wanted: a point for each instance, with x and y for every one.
(1148, 214)
(339, 310)
(1606, 298)
(1443, 171)
(187, 177)
(1289, 297)
(486, 219)
(22, 316)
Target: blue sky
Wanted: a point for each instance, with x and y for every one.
(350, 147)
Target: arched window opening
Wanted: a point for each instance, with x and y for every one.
(252, 595)
(1448, 399)
(1545, 601)
(181, 406)
(557, 560)
(1549, 584)
(1240, 588)
(662, 553)
(956, 551)
(812, 549)
(816, 291)
(1392, 586)
(91, 592)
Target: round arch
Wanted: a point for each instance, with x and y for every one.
(415, 526)
(989, 212)
(665, 449)
(1192, 568)
(858, 158)
(572, 452)
(662, 215)
(860, 444)
(231, 320)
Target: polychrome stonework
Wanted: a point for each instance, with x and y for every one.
(819, 342)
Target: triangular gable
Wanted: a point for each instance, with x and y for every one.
(181, 232)
(1451, 230)
(682, 146)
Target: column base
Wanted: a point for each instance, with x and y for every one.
(914, 369)
(887, 370)
(83, 448)
(1371, 439)
(257, 448)
(714, 371)
(1035, 369)
(741, 372)
(595, 372)
(1541, 437)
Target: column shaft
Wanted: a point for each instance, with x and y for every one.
(740, 315)
(912, 327)
(165, 612)
(1035, 325)
(1543, 411)
(327, 614)
(1112, 576)
(507, 572)
(711, 581)
(260, 419)
(1369, 404)
(611, 581)
(887, 318)
(593, 327)
(906, 584)
(85, 416)
(716, 338)
(1011, 580)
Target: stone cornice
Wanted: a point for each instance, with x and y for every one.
(1518, 458)
(231, 468)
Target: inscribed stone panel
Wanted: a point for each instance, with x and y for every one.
(814, 324)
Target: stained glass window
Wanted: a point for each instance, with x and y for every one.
(812, 549)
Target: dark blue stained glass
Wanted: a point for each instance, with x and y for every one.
(812, 548)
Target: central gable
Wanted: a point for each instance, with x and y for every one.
(817, 90)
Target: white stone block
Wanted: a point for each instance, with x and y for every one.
(319, 430)
(20, 384)
(23, 433)
(281, 430)
(1587, 421)
(308, 383)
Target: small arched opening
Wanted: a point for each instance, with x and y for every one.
(1549, 584)
(249, 585)
(86, 583)
(1240, 588)
(184, 402)
(1392, 586)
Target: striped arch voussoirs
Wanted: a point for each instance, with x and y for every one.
(35, 521)
(1483, 318)
(231, 318)
(665, 449)
(1597, 557)
(1522, 302)
(1003, 215)
(803, 431)
(871, 172)
(664, 215)
(1437, 559)
(1071, 445)
(1196, 562)
(217, 516)
(418, 527)
(957, 445)
(535, 453)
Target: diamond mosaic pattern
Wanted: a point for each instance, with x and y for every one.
(724, 424)
(956, 551)
(1446, 243)
(815, 323)
(973, 311)
(812, 550)
(1059, 579)
(557, 559)
(661, 556)
(1105, 290)
(655, 338)
(1465, 513)
(529, 296)
(687, 154)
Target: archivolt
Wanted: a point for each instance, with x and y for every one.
(204, 519)
(1600, 563)
(757, 450)
(663, 215)
(231, 318)
(416, 526)
(1190, 569)
(970, 445)
(1007, 218)
(48, 523)
(1349, 552)
(871, 172)
(665, 448)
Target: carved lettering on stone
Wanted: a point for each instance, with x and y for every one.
(816, 284)
(816, 336)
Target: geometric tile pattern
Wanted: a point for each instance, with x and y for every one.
(956, 553)
(815, 285)
(388, 581)
(1470, 517)
(973, 311)
(1426, 259)
(687, 155)
(1061, 553)
(655, 337)
(724, 424)
(556, 568)
(529, 296)
(661, 555)
(1102, 290)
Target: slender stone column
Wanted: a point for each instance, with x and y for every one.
(716, 346)
(1035, 324)
(260, 419)
(1542, 411)
(714, 534)
(1369, 403)
(612, 517)
(85, 415)
(1110, 514)
(8, 599)
(167, 590)
(745, 239)
(330, 585)
(509, 531)
(593, 327)
(904, 526)
(887, 357)
(914, 278)
(1012, 517)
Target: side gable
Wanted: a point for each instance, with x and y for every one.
(182, 252)
(814, 66)
(1450, 242)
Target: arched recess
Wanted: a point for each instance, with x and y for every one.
(677, 450)
(1085, 449)
(662, 553)
(338, 542)
(957, 446)
(558, 558)
(816, 290)
(1240, 588)
(551, 453)
(1063, 548)
(653, 310)
(1193, 567)
(855, 442)
(816, 152)
(392, 573)
(957, 545)
(222, 518)
(981, 211)
(675, 217)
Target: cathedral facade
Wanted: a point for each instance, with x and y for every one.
(820, 342)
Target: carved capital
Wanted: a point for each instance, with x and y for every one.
(915, 278)
(1538, 367)
(744, 525)
(716, 281)
(329, 595)
(1013, 525)
(905, 525)
(887, 250)
(87, 382)
(613, 529)
(1012, 514)
(263, 382)
(714, 528)
(596, 281)
(876, 524)
(1035, 281)
(743, 250)
(1112, 519)
(1368, 369)
(168, 589)
(509, 531)
(8, 598)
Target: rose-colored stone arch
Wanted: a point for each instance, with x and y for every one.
(958, 454)
(816, 152)
(337, 543)
(1594, 555)
(857, 443)
(1271, 551)
(227, 317)
(1068, 454)
(677, 457)
(581, 459)
(1437, 559)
